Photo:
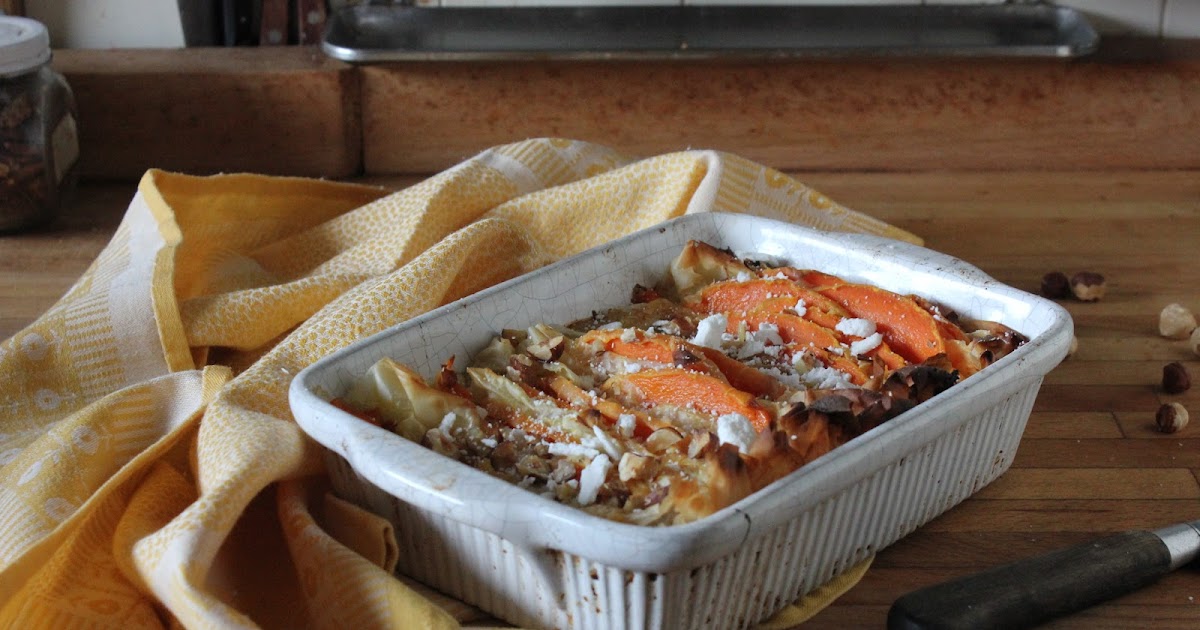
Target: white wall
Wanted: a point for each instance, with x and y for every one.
(109, 23)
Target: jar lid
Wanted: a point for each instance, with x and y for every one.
(24, 45)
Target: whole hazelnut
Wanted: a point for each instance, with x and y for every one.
(1176, 322)
(1055, 285)
(1175, 378)
(1171, 418)
(1088, 286)
(1194, 342)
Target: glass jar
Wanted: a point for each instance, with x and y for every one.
(39, 142)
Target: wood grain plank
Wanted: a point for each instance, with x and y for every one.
(1093, 483)
(1032, 515)
(1074, 425)
(1115, 371)
(277, 110)
(812, 115)
(1095, 397)
(1181, 450)
(1043, 194)
(883, 585)
(958, 551)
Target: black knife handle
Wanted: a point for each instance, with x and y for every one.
(1031, 591)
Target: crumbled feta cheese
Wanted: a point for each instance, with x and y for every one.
(801, 308)
(856, 327)
(607, 444)
(629, 335)
(759, 340)
(866, 345)
(791, 379)
(802, 361)
(610, 326)
(569, 449)
(709, 331)
(769, 334)
(526, 482)
(734, 428)
(826, 378)
(744, 276)
(449, 422)
(633, 368)
(751, 347)
(626, 423)
(489, 442)
(592, 478)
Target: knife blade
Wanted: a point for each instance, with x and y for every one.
(1036, 589)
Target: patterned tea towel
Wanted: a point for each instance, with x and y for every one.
(151, 474)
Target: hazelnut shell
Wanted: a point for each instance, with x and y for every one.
(1171, 418)
(1175, 378)
(1088, 286)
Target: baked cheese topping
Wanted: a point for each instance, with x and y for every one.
(724, 378)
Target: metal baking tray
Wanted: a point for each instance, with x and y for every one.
(374, 33)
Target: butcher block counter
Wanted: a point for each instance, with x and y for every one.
(1091, 461)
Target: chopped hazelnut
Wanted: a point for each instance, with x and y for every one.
(1176, 322)
(1088, 286)
(1171, 418)
(662, 439)
(700, 443)
(1055, 285)
(1175, 378)
(548, 350)
(633, 466)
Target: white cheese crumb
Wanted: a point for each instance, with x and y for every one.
(734, 428)
(826, 378)
(744, 276)
(629, 335)
(787, 378)
(633, 368)
(864, 346)
(448, 422)
(856, 327)
(610, 446)
(769, 334)
(801, 308)
(592, 478)
(489, 442)
(610, 326)
(759, 340)
(626, 423)
(526, 482)
(568, 449)
(709, 331)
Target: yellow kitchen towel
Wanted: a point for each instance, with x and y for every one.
(151, 474)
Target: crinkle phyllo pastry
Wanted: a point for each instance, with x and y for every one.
(725, 377)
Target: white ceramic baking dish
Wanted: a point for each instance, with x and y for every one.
(537, 563)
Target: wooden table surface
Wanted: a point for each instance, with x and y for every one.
(1090, 463)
